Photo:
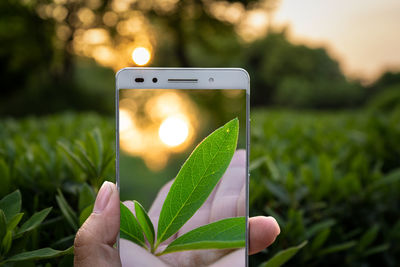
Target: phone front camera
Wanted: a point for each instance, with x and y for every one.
(155, 80)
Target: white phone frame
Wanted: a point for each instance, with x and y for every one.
(186, 78)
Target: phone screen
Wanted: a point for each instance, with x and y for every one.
(182, 168)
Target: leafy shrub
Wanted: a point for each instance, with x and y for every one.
(13, 237)
(56, 161)
(329, 178)
(387, 100)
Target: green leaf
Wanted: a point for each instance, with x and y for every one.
(273, 169)
(367, 238)
(85, 158)
(145, 223)
(86, 197)
(3, 224)
(11, 204)
(337, 248)
(13, 222)
(64, 241)
(283, 256)
(67, 211)
(391, 178)
(6, 243)
(256, 163)
(72, 156)
(129, 227)
(320, 239)
(197, 178)
(278, 191)
(224, 234)
(377, 249)
(95, 141)
(318, 227)
(34, 221)
(40, 254)
(85, 214)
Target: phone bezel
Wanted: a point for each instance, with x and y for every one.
(223, 78)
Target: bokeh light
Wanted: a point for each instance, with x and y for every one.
(173, 131)
(155, 124)
(125, 121)
(141, 56)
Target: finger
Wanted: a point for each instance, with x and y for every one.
(94, 241)
(241, 202)
(263, 232)
(194, 257)
(159, 201)
(225, 200)
(234, 259)
(133, 255)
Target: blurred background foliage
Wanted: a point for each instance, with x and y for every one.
(325, 155)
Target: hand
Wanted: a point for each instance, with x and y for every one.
(94, 241)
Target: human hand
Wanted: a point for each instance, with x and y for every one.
(93, 244)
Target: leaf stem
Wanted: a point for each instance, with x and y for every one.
(155, 247)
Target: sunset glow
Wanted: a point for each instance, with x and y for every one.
(141, 56)
(173, 131)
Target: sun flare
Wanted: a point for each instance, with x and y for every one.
(173, 131)
(141, 56)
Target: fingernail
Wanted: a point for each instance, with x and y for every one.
(102, 197)
(276, 224)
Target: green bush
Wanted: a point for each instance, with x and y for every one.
(60, 162)
(331, 179)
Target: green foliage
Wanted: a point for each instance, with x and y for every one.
(224, 234)
(11, 204)
(40, 254)
(33, 222)
(190, 189)
(129, 227)
(45, 176)
(386, 100)
(11, 234)
(67, 211)
(283, 256)
(145, 223)
(331, 179)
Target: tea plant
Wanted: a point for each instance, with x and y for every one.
(13, 236)
(329, 178)
(191, 188)
(34, 161)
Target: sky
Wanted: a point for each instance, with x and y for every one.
(363, 35)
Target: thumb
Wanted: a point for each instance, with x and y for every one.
(94, 241)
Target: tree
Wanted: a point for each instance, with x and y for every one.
(297, 76)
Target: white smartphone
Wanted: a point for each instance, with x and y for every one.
(182, 137)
